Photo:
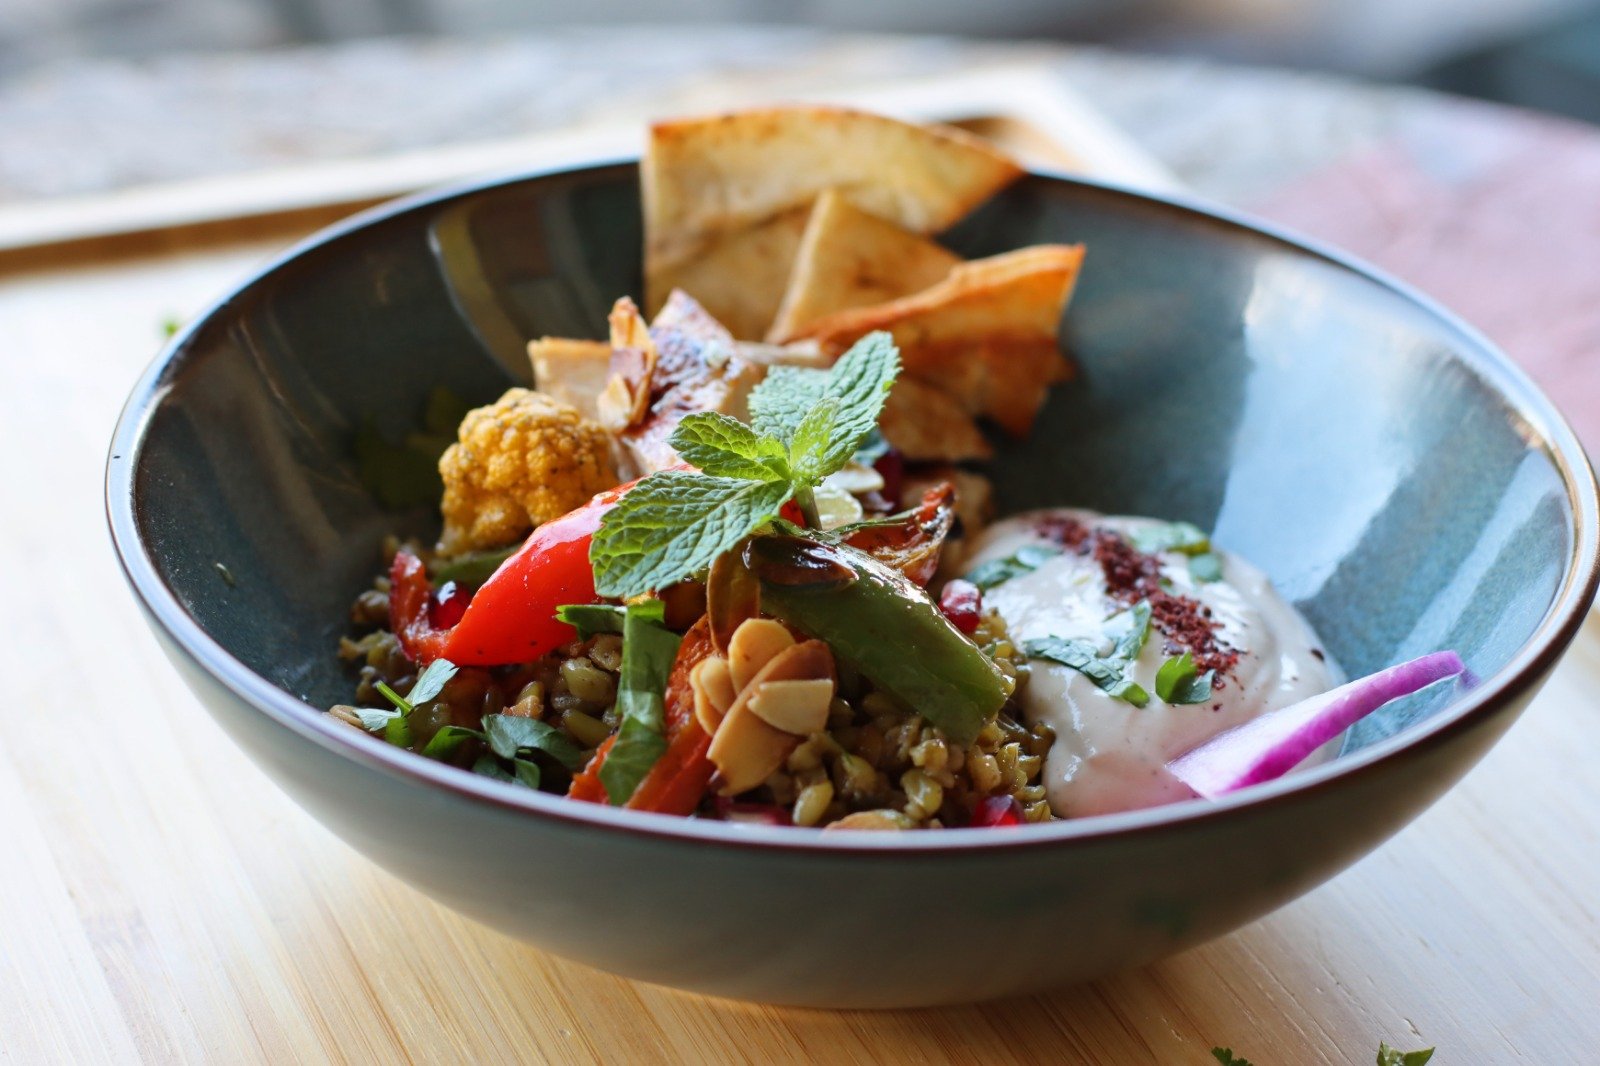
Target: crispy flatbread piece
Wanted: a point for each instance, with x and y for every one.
(703, 178)
(740, 276)
(849, 258)
(927, 424)
(572, 371)
(986, 335)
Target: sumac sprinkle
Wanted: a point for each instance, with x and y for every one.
(1063, 530)
(1132, 575)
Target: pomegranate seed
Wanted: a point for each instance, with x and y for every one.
(751, 813)
(448, 605)
(891, 466)
(962, 603)
(997, 811)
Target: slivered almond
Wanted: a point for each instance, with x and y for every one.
(745, 749)
(753, 645)
(798, 707)
(713, 692)
(871, 820)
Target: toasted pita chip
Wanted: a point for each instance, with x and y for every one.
(572, 371)
(703, 178)
(986, 335)
(696, 367)
(849, 258)
(926, 424)
(739, 277)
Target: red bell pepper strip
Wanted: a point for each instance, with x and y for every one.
(678, 780)
(512, 618)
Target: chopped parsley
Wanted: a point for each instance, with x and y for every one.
(1182, 537)
(1226, 1056)
(1111, 673)
(1025, 560)
(1205, 568)
(1180, 681)
(648, 651)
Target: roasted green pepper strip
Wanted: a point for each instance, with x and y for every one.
(883, 625)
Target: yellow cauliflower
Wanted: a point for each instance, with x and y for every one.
(521, 461)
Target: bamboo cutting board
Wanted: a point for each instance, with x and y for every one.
(164, 903)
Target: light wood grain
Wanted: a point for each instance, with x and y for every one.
(163, 902)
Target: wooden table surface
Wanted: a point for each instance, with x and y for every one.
(163, 902)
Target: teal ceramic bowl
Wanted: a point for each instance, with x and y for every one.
(1401, 481)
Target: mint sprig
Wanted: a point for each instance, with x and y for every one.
(805, 424)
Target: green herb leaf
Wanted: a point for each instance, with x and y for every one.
(648, 651)
(527, 773)
(1388, 1056)
(1130, 642)
(1182, 537)
(673, 523)
(402, 705)
(510, 734)
(860, 381)
(443, 744)
(432, 681)
(1112, 675)
(808, 451)
(1205, 568)
(375, 718)
(1024, 560)
(472, 568)
(725, 447)
(1226, 1056)
(398, 731)
(1179, 681)
(591, 618)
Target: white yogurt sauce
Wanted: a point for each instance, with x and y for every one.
(1108, 754)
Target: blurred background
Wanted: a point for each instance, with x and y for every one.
(106, 94)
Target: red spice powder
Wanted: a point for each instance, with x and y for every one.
(1132, 575)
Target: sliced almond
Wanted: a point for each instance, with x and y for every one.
(713, 692)
(753, 645)
(798, 707)
(746, 750)
(871, 820)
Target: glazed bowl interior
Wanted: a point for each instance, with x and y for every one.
(1399, 480)
(1395, 479)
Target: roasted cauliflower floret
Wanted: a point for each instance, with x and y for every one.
(521, 461)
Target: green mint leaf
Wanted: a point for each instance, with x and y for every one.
(591, 618)
(1130, 640)
(471, 568)
(402, 705)
(1179, 681)
(374, 718)
(673, 523)
(860, 381)
(783, 399)
(1226, 1056)
(1388, 1056)
(1182, 537)
(648, 651)
(725, 447)
(432, 681)
(510, 734)
(809, 449)
(443, 744)
(1109, 674)
(1205, 568)
(1024, 560)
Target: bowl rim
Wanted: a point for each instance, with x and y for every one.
(1527, 665)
